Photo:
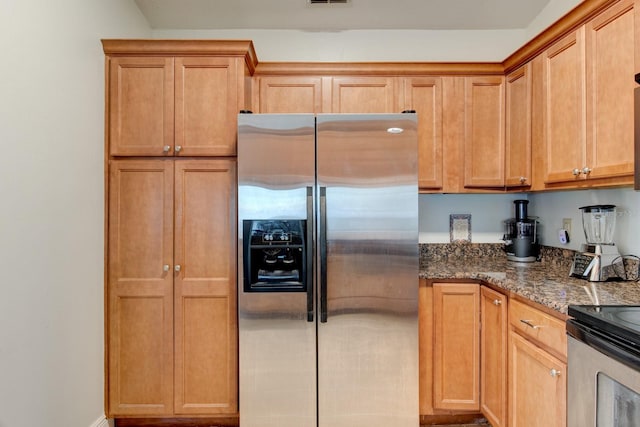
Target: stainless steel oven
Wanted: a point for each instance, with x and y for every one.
(604, 366)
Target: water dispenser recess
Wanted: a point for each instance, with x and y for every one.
(274, 255)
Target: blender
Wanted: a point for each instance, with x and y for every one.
(596, 259)
(521, 235)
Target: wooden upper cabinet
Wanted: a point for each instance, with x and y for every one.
(456, 346)
(518, 128)
(564, 106)
(364, 95)
(170, 106)
(206, 106)
(424, 95)
(588, 129)
(295, 94)
(610, 85)
(484, 132)
(140, 105)
(140, 288)
(493, 356)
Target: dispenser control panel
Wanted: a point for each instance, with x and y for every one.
(582, 264)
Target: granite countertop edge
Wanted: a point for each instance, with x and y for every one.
(545, 283)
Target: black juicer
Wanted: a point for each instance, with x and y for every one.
(521, 235)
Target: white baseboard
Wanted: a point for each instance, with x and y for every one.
(101, 422)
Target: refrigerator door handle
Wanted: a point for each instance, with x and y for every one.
(309, 256)
(323, 254)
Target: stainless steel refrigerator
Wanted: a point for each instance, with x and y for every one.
(328, 270)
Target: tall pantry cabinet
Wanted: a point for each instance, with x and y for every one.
(170, 298)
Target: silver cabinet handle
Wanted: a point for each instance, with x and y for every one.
(530, 324)
(166, 148)
(554, 373)
(523, 179)
(497, 302)
(178, 148)
(575, 172)
(586, 170)
(177, 268)
(165, 268)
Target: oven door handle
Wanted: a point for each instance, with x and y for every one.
(605, 344)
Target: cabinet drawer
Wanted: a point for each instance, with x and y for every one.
(548, 331)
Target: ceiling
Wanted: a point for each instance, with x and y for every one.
(355, 15)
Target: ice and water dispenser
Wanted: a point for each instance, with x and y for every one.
(275, 255)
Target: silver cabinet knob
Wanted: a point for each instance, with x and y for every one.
(497, 302)
(166, 148)
(575, 172)
(177, 267)
(523, 179)
(586, 170)
(165, 268)
(554, 373)
(178, 148)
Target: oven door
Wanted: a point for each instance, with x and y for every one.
(602, 391)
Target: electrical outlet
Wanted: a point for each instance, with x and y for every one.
(566, 225)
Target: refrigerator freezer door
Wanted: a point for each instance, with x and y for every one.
(368, 342)
(277, 340)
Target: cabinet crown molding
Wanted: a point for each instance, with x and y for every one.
(155, 47)
(378, 68)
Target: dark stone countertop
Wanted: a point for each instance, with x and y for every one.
(546, 283)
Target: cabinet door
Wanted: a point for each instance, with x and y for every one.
(518, 127)
(205, 292)
(493, 356)
(484, 132)
(140, 288)
(364, 95)
(206, 106)
(564, 106)
(424, 95)
(610, 86)
(290, 94)
(456, 364)
(537, 386)
(140, 106)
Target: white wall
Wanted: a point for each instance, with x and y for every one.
(51, 192)
(489, 211)
(368, 45)
(554, 10)
(386, 45)
(553, 207)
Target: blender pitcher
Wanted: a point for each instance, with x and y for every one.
(596, 260)
(599, 223)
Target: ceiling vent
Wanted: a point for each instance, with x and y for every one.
(314, 2)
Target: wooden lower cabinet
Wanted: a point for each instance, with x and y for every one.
(493, 356)
(537, 386)
(484, 353)
(171, 298)
(456, 346)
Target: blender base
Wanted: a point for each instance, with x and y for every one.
(522, 259)
(595, 263)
